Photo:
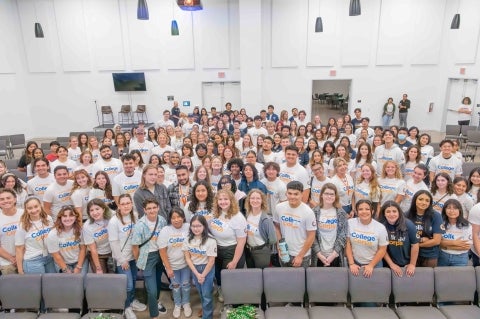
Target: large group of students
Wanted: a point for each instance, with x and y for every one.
(207, 191)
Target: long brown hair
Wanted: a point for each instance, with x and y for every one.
(25, 219)
(77, 226)
(119, 215)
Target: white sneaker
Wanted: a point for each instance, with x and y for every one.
(161, 309)
(138, 306)
(220, 294)
(187, 310)
(129, 314)
(176, 311)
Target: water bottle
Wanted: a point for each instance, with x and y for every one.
(283, 251)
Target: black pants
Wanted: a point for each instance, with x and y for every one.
(224, 256)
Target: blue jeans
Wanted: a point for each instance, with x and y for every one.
(39, 265)
(131, 273)
(180, 285)
(446, 259)
(386, 121)
(205, 291)
(72, 267)
(152, 275)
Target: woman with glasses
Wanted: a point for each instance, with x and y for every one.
(330, 238)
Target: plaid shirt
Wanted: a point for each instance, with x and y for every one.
(177, 197)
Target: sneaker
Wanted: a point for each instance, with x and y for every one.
(129, 314)
(187, 310)
(161, 309)
(220, 294)
(176, 311)
(138, 306)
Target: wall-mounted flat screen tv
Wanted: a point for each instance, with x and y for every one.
(129, 81)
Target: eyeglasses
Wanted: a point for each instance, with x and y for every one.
(329, 194)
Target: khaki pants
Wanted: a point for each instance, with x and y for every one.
(8, 269)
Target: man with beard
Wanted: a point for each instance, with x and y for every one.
(108, 164)
(180, 191)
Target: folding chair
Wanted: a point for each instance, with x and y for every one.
(285, 285)
(375, 289)
(17, 142)
(242, 286)
(62, 291)
(416, 293)
(21, 292)
(457, 285)
(105, 291)
(328, 285)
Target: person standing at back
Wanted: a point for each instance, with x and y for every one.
(403, 107)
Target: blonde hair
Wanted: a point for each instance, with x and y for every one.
(398, 173)
(248, 207)
(374, 186)
(232, 210)
(25, 219)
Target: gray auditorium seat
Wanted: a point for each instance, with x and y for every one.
(62, 291)
(414, 295)
(105, 291)
(284, 285)
(328, 285)
(242, 286)
(21, 292)
(457, 285)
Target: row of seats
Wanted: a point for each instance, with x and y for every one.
(450, 289)
(25, 292)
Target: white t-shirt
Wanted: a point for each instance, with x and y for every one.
(74, 154)
(8, 228)
(465, 116)
(160, 150)
(123, 184)
(390, 188)
(200, 211)
(316, 188)
(79, 198)
(122, 233)
(100, 194)
(199, 253)
(173, 239)
(38, 185)
(226, 231)
(276, 193)
(366, 239)
(452, 232)
(253, 231)
(344, 188)
(383, 154)
(255, 132)
(410, 189)
(294, 173)
(58, 195)
(113, 167)
(363, 191)
(34, 239)
(294, 225)
(427, 152)
(452, 166)
(97, 233)
(88, 169)
(71, 165)
(65, 244)
(145, 148)
(153, 246)
(474, 219)
(438, 201)
(327, 224)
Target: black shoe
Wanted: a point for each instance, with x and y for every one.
(161, 309)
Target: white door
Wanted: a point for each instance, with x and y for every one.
(218, 93)
(457, 90)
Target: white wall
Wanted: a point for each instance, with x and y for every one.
(48, 85)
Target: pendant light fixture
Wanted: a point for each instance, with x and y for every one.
(355, 9)
(38, 26)
(456, 19)
(142, 10)
(319, 22)
(174, 27)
